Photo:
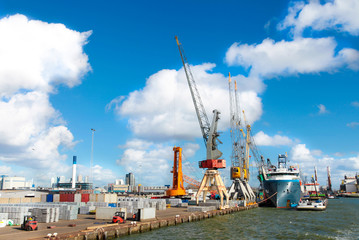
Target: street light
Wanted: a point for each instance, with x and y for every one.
(91, 175)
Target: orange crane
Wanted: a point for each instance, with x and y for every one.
(191, 181)
(177, 189)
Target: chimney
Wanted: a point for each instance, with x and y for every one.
(74, 172)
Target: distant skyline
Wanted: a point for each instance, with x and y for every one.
(69, 67)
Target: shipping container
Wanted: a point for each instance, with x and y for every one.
(100, 198)
(49, 198)
(85, 197)
(71, 197)
(65, 197)
(92, 197)
(77, 197)
(56, 197)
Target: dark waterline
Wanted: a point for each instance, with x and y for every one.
(339, 221)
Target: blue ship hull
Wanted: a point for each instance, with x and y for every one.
(288, 192)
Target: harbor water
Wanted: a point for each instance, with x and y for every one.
(339, 221)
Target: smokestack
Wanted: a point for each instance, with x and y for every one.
(74, 172)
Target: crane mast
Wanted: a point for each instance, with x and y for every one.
(235, 121)
(211, 180)
(240, 188)
(177, 189)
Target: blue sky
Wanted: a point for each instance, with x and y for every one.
(114, 66)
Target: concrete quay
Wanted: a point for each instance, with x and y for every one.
(169, 217)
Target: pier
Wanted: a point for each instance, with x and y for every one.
(86, 227)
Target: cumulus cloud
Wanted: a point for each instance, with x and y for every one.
(153, 162)
(301, 153)
(36, 57)
(163, 110)
(47, 54)
(263, 139)
(322, 109)
(101, 176)
(301, 55)
(308, 159)
(341, 15)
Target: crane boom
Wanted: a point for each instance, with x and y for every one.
(197, 101)
(209, 131)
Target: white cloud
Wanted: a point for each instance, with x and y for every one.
(190, 149)
(5, 170)
(47, 54)
(338, 154)
(355, 104)
(316, 152)
(153, 163)
(101, 176)
(163, 109)
(352, 124)
(301, 55)
(341, 15)
(308, 159)
(36, 57)
(322, 109)
(300, 153)
(263, 139)
(137, 144)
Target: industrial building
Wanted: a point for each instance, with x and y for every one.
(118, 188)
(14, 183)
(80, 184)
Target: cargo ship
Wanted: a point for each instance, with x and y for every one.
(280, 184)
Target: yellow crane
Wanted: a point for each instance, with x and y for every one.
(239, 188)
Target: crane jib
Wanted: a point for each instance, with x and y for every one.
(209, 131)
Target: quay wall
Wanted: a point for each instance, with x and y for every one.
(111, 231)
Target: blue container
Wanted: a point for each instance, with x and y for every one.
(112, 204)
(49, 198)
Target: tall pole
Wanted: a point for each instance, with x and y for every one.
(91, 175)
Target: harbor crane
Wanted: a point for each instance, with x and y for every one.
(330, 189)
(211, 180)
(240, 188)
(177, 189)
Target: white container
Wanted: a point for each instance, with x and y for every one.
(147, 213)
(56, 198)
(77, 198)
(108, 212)
(43, 197)
(100, 198)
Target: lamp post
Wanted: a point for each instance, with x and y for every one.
(91, 175)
